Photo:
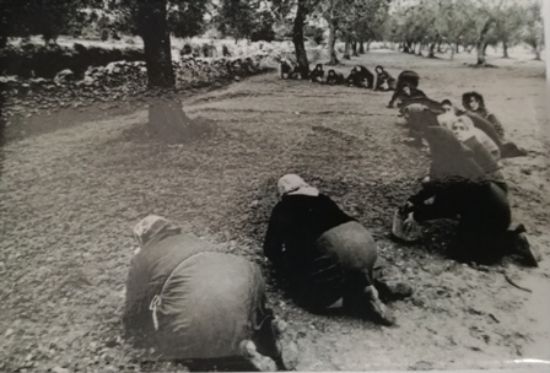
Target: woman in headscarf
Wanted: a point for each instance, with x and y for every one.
(405, 78)
(384, 80)
(419, 113)
(461, 189)
(360, 77)
(465, 131)
(324, 254)
(285, 70)
(318, 74)
(179, 302)
(334, 78)
(474, 104)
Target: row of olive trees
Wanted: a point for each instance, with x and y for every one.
(38, 17)
(153, 20)
(356, 22)
(415, 24)
(471, 24)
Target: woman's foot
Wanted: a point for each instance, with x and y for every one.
(260, 362)
(392, 291)
(510, 150)
(529, 255)
(376, 310)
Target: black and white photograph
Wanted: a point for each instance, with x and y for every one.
(274, 185)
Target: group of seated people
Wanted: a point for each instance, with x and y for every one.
(178, 297)
(359, 76)
(464, 182)
(475, 120)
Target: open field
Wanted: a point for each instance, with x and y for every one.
(70, 194)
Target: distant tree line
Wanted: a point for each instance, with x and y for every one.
(434, 26)
(417, 26)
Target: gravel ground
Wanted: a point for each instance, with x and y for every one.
(72, 189)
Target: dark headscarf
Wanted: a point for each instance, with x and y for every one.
(450, 159)
(466, 97)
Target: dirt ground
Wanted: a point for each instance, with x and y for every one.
(69, 197)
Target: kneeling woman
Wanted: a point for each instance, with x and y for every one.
(460, 188)
(324, 254)
(180, 303)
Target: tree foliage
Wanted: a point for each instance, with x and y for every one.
(245, 19)
(40, 17)
(354, 21)
(236, 17)
(533, 30)
(477, 24)
(186, 17)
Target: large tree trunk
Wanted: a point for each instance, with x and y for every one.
(454, 49)
(361, 47)
(368, 46)
(431, 53)
(482, 43)
(331, 44)
(481, 57)
(347, 50)
(482, 54)
(153, 30)
(354, 48)
(537, 53)
(505, 49)
(169, 123)
(298, 38)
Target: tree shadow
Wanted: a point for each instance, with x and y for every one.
(169, 124)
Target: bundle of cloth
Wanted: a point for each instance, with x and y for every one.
(179, 301)
(325, 256)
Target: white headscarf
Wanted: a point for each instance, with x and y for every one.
(461, 126)
(292, 184)
(464, 129)
(447, 120)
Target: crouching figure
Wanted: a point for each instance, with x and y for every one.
(466, 185)
(198, 306)
(324, 255)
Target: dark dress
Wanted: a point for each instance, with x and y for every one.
(335, 79)
(317, 75)
(482, 111)
(407, 77)
(466, 191)
(298, 244)
(384, 77)
(360, 77)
